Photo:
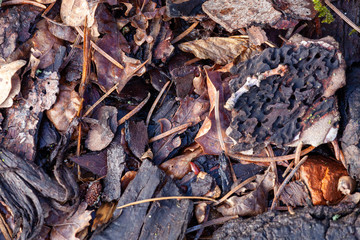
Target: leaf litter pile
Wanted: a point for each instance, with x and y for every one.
(165, 119)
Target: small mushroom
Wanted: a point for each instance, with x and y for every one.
(346, 185)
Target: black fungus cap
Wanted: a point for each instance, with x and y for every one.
(281, 105)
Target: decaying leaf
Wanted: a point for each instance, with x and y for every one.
(321, 176)
(45, 1)
(43, 45)
(103, 214)
(126, 179)
(257, 36)
(77, 222)
(16, 23)
(165, 146)
(252, 203)
(65, 109)
(109, 74)
(190, 110)
(74, 12)
(93, 162)
(103, 126)
(7, 71)
(221, 50)
(207, 136)
(179, 166)
(62, 32)
(164, 49)
(295, 194)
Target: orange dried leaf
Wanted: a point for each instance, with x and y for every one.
(321, 175)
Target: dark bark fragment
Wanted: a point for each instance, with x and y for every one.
(183, 8)
(15, 24)
(134, 222)
(307, 223)
(115, 165)
(340, 30)
(350, 141)
(167, 219)
(22, 188)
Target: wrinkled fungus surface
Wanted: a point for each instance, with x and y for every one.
(280, 93)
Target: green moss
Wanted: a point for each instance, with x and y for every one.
(323, 12)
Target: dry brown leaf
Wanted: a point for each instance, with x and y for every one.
(77, 222)
(7, 71)
(257, 36)
(102, 128)
(103, 214)
(321, 175)
(179, 166)
(65, 109)
(165, 146)
(221, 50)
(253, 203)
(62, 32)
(199, 83)
(126, 179)
(74, 12)
(15, 89)
(108, 73)
(190, 110)
(207, 136)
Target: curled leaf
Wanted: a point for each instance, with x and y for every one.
(6, 73)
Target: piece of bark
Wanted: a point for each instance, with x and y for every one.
(340, 30)
(184, 8)
(115, 165)
(350, 141)
(23, 185)
(307, 223)
(23, 118)
(15, 24)
(127, 222)
(134, 222)
(167, 219)
(236, 14)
